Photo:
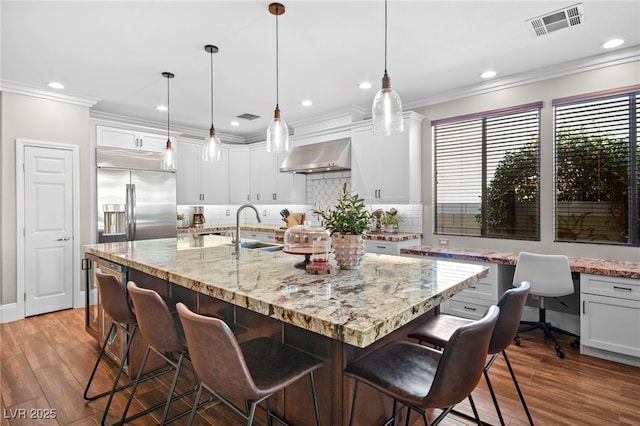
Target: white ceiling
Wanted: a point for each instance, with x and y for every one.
(116, 51)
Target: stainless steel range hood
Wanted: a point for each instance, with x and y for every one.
(319, 157)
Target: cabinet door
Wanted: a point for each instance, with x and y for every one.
(239, 175)
(392, 154)
(264, 166)
(610, 323)
(117, 138)
(364, 171)
(152, 142)
(214, 181)
(188, 171)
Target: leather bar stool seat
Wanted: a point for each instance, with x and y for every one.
(115, 304)
(423, 378)
(438, 330)
(160, 329)
(251, 371)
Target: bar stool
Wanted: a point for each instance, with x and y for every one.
(420, 377)
(116, 305)
(252, 371)
(158, 327)
(439, 329)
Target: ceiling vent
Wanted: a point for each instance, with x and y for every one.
(247, 116)
(554, 21)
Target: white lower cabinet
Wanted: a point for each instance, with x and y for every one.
(388, 247)
(474, 301)
(610, 317)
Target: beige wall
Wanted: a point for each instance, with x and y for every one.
(26, 117)
(585, 82)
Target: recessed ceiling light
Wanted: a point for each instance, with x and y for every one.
(613, 43)
(488, 74)
(365, 85)
(306, 103)
(161, 108)
(235, 123)
(56, 85)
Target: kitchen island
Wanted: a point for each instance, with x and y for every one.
(336, 316)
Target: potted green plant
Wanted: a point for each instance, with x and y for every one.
(179, 220)
(389, 222)
(347, 221)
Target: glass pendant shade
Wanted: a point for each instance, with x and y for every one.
(212, 146)
(277, 134)
(386, 110)
(168, 160)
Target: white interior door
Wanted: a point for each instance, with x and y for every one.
(48, 230)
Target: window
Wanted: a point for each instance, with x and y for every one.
(597, 168)
(486, 169)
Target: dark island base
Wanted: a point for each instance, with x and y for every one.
(335, 391)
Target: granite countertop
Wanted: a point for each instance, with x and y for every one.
(379, 236)
(357, 307)
(613, 268)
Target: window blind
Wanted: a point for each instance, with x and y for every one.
(486, 174)
(596, 170)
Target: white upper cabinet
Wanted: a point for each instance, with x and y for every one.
(268, 184)
(197, 181)
(239, 175)
(386, 169)
(130, 139)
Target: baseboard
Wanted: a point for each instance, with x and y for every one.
(9, 313)
(81, 302)
(610, 356)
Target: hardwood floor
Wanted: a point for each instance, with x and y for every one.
(46, 360)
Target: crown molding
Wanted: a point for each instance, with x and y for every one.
(28, 90)
(622, 56)
(106, 118)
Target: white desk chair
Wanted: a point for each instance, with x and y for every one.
(550, 276)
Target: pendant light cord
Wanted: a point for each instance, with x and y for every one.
(168, 108)
(385, 36)
(277, 62)
(211, 54)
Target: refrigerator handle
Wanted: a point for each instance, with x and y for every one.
(134, 219)
(128, 217)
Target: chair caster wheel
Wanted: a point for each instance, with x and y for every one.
(575, 343)
(559, 352)
(517, 340)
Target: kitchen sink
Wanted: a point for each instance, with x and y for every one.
(259, 245)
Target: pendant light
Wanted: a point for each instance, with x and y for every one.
(168, 161)
(386, 110)
(278, 131)
(212, 142)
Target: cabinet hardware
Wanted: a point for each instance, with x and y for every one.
(472, 287)
(248, 197)
(584, 307)
(64, 239)
(615, 287)
(469, 308)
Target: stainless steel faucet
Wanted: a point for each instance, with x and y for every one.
(237, 246)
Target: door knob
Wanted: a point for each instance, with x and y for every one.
(64, 239)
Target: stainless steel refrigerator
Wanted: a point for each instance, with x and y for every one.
(136, 199)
